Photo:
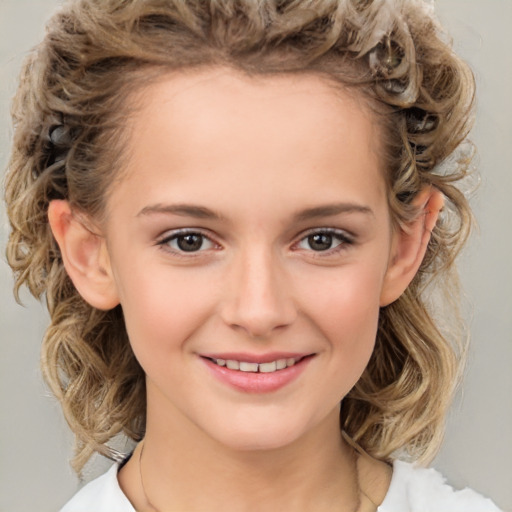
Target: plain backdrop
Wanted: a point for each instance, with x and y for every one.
(35, 443)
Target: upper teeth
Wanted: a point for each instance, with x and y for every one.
(269, 367)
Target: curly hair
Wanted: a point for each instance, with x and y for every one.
(68, 119)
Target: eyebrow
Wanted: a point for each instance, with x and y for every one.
(331, 210)
(185, 210)
(201, 212)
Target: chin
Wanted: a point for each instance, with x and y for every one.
(244, 442)
(259, 435)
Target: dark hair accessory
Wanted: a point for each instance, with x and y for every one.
(419, 121)
(60, 141)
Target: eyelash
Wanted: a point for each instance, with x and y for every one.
(345, 240)
(165, 242)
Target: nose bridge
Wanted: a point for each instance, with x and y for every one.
(260, 299)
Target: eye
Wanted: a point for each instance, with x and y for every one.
(187, 242)
(325, 240)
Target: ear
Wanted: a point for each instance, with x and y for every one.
(410, 245)
(85, 256)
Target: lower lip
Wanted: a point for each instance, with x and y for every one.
(252, 382)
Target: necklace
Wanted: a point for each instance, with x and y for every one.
(152, 507)
(364, 502)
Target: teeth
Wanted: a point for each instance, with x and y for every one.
(281, 364)
(270, 367)
(233, 365)
(248, 367)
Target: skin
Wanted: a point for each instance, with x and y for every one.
(264, 163)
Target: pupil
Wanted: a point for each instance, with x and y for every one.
(190, 243)
(320, 241)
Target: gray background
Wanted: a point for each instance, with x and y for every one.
(35, 442)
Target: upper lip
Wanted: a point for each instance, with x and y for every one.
(255, 358)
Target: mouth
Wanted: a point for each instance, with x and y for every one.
(251, 373)
(254, 367)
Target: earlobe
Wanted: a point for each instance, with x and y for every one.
(85, 256)
(410, 245)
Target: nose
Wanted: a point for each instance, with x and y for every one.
(260, 297)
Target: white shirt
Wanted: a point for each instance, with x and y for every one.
(412, 489)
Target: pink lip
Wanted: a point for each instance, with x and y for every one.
(249, 382)
(255, 358)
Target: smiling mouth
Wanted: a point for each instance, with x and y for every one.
(269, 367)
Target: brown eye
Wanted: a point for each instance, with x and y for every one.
(320, 241)
(187, 242)
(325, 240)
(190, 243)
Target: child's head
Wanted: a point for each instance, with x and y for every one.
(95, 73)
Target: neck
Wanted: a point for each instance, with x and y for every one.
(184, 469)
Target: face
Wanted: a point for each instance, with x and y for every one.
(249, 240)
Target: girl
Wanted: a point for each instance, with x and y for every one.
(235, 210)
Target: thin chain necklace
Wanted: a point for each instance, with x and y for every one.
(152, 507)
(360, 492)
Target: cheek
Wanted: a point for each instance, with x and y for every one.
(347, 300)
(346, 310)
(163, 310)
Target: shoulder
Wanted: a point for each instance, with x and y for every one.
(415, 489)
(101, 495)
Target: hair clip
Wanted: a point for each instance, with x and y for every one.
(420, 121)
(386, 57)
(60, 140)
(60, 136)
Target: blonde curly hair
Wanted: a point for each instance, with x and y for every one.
(69, 114)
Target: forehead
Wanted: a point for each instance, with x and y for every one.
(219, 126)
(220, 97)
